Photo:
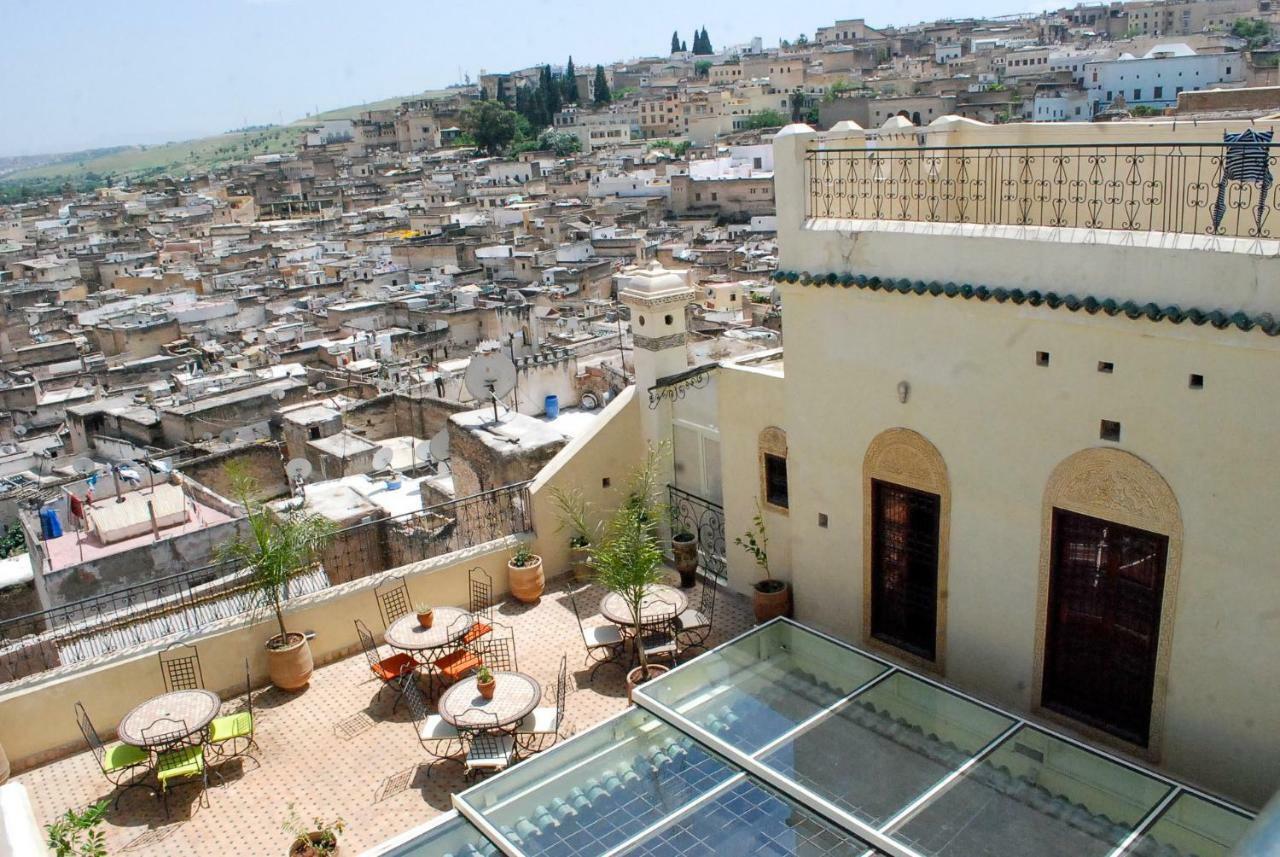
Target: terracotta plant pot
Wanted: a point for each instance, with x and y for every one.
(486, 687)
(772, 598)
(305, 846)
(425, 619)
(633, 677)
(684, 546)
(526, 582)
(580, 560)
(290, 665)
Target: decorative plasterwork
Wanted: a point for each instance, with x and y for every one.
(905, 457)
(1113, 485)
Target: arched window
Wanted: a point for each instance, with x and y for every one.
(906, 504)
(774, 489)
(1110, 553)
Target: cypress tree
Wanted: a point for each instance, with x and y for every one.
(569, 88)
(602, 87)
(675, 42)
(706, 42)
(697, 41)
(684, 47)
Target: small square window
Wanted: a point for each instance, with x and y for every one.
(1196, 382)
(1106, 368)
(1110, 431)
(822, 520)
(604, 483)
(1042, 358)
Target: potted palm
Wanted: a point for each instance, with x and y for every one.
(524, 575)
(628, 561)
(771, 597)
(321, 840)
(573, 509)
(485, 682)
(277, 548)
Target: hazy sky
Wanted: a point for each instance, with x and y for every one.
(77, 74)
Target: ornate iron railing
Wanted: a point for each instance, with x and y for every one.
(1187, 188)
(706, 520)
(191, 601)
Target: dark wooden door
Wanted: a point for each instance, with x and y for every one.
(1105, 588)
(904, 567)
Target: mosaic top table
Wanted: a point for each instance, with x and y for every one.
(515, 695)
(447, 627)
(614, 608)
(194, 708)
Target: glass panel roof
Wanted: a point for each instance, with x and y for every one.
(904, 734)
(1035, 793)
(761, 686)
(1192, 827)
(453, 838)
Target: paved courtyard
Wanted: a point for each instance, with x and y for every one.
(336, 749)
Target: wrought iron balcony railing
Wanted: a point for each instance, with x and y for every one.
(1186, 188)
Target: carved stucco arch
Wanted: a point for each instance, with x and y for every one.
(906, 457)
(1114, 485)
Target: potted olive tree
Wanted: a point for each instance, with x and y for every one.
(628, 561)
(573, 509)
(772, 597)
(277, 548)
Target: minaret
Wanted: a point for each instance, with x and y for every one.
(657, 298)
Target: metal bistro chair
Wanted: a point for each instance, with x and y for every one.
(480, 590)
(123, 765)
(462, 660)
(437, 736)
(393, 600)
(179, 755)
(604, 643)
(396, 671)
(180, 667)
(693, 626)
(658, 634)
(488, 749)
(227, 732)
(497, 650)
(543, 723)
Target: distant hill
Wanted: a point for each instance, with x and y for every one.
(37, 175)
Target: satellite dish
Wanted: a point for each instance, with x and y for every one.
(229, 436)
(381, 458)
(20, 430)
(298, 468)
(278, 395)
(423, 450)
(439, 445)
(490, 375)
(207, 436)
(321, 386)
(83, 466)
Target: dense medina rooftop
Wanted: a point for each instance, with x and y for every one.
(784, 741)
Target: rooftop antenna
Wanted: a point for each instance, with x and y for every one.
(490, 377)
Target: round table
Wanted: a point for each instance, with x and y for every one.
(515, 695)
(614, 608)
(407, 635)
(195, 708)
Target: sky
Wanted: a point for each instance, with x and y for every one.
(76, 74)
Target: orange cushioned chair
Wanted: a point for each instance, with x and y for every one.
(457, 664)
(394, 671)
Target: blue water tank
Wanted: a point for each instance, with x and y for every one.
(552, 406)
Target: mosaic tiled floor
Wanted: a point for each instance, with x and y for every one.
(337, 749)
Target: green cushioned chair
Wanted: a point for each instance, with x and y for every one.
(186, 762)
(232, 734)
(121, 756)
(123, 766)
(179, 755)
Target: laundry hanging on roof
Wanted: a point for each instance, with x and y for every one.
(1246, 160)
(77, 507)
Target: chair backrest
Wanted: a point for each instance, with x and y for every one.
(497, 649)
(166, 733)
(90, 734)
(393, 599)
(708, 601)
(367, 643)
(562, 689)
(248, 689)
(180, 668)
(480, 588)
(477, 722)
(418, 709)
(459, 627)
(578, 615)
(660, 618)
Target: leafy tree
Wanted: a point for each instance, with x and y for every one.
(702, 68)
(1256, 33)
(675, 42)
(602, 88)
(561, 142)
(765, 119)
(1140, 110)
(802, 40)
(569, 84)
(490, 124)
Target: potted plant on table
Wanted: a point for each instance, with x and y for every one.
(524, 575)
(321, 840)
(425, 613)
(772, 598)
(277, 548)
(485, 682)
(573, 509)
(628, 561)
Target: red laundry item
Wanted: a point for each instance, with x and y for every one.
(77, 508)
(88, 497)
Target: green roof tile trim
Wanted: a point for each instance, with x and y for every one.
(1090, 304)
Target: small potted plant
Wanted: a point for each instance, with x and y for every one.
(573, 509)
(485, 682)
(321, 840)
(684, 547)
(524, 575)
(426, 615)
(772, 598)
